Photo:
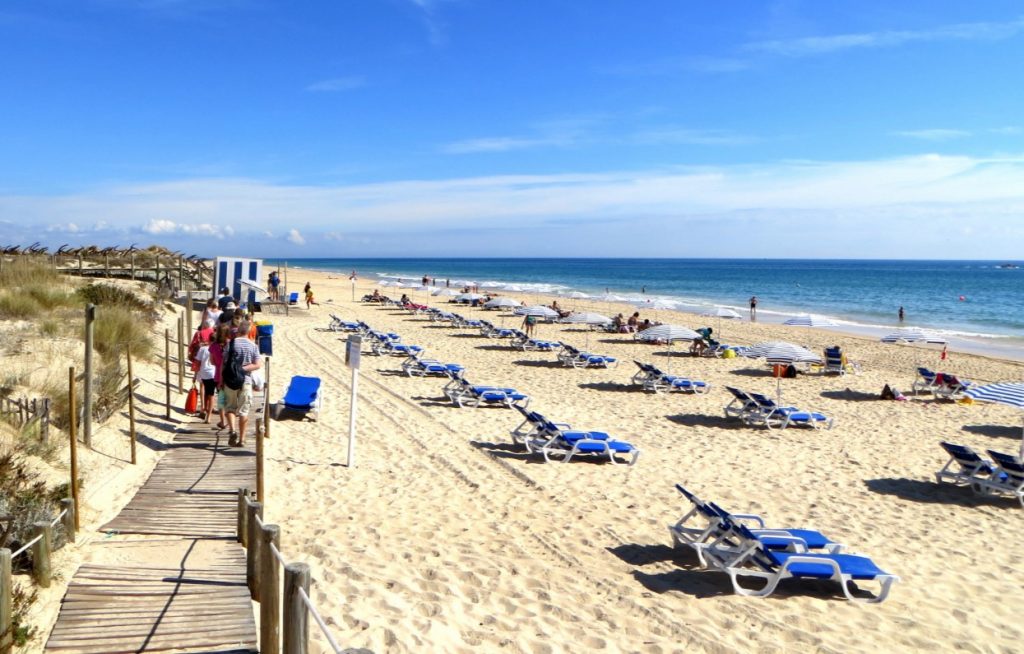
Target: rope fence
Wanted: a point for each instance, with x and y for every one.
(284, 625)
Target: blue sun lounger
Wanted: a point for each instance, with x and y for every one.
(773, 416)
(463, 394)
(303, 397)
(417, 367)
(965, 466)
(1006, 479)
(658, 381)
(740, 554)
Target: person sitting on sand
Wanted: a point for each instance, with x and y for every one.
(633, 322)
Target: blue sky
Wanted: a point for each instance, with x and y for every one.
(535, 128)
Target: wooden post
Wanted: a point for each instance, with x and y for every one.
(131, 402)
(188, 314)
(106, 265)
(270, 591)
(242, 532)
(295, 624)
(167, 372)
(68, 504)
(133, 266)
(181, 273)
(181, 355)
(266, 397)
(157, 273)
(72, 415)
(6, 602)
(252, 559)
(44, 421)
(90, 317)
(80, 273)
(259, 466)
(41, 554)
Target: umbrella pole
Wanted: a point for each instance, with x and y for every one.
(1022, 441)
(778, 390)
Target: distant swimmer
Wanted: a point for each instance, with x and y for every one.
(753, 307)
(901, 314)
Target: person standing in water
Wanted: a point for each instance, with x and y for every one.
(901, 314)
(753, 308)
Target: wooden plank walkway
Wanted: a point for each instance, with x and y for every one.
(170, 578)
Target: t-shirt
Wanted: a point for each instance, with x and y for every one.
(246, 353)
(217, 359)
(211, 317)
(222, 302)
(207, 370)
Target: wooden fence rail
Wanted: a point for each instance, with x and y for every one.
(25, 411)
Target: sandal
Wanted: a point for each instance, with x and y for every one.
(220, 425)
(232, 439)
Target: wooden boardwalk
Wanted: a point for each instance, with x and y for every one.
(170, 577)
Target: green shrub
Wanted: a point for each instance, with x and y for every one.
(49, 297)
(117, 327)
(23, 272)
(15, 305)
(50, 327)
(108, 295)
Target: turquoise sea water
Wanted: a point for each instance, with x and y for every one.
(974, 300)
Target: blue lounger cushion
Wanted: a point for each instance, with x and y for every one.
(500, 396)
(858, 567)
(614, 446)
(573, 436)
(815, 540)
(302, 392)
(804, 416)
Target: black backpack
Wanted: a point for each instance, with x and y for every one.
(233, 375)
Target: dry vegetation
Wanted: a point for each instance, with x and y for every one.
(41, 328)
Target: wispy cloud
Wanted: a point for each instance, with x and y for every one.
(497, 144)
(676, 65)
(429, 14)
(934, 134)
(685, 136)
(815, 45)
(294, 236)
(337, 84)
(874, 194)
(557, 132)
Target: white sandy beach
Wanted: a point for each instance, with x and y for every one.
(444, 537)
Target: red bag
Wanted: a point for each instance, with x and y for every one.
(192, 401)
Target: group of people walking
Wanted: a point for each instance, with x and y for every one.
(226, 362)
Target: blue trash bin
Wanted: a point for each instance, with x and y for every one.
(266, 345)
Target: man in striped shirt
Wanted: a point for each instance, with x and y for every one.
(238, 402)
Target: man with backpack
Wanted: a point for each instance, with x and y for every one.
(240, 360)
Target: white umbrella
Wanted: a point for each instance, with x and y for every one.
(914, 335)
(722, 312)
(445, 292)
(810, 320)
(586, 318)
(537, 310)
(1008, 393)
(500, 302)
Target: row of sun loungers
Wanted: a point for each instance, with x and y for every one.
(740, 546)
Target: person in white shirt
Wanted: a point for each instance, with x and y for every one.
(206, 375)
(210, 314)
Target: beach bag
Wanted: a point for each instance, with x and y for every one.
(790, 372)
(192, 401)
(234, 376)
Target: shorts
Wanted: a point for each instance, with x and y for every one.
(209, 387)
(221, 402)
(238, 402)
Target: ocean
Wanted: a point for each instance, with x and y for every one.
(973, 303)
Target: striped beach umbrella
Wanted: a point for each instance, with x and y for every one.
(810, 320)
(782, 352)
(586, 318)
(1008, 393)
(445, 292)
(914, 335)
(667, 333)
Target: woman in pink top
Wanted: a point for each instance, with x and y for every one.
(217, 349)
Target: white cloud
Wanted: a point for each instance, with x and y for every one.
(334, 236)
(295, 237)
(70, 228)
(934, 134)
(872, 195)
(683, 136)
(813, 45)
(164, 226)
(337, 84)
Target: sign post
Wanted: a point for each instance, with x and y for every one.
(353, 351)
(353, 280)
